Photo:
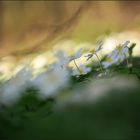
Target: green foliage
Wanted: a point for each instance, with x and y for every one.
(113, 117)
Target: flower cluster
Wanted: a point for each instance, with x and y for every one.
(58, 75)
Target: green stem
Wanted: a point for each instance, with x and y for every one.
(99, 61)
(77, 66)
(128, 64)
(126, 60)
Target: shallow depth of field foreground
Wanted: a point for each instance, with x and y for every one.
(70, 70)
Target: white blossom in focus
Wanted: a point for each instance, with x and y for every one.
(93, 52)
(120, 53)
(77, 55)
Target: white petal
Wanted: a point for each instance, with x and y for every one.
(79, 53)
(125, 50)
(99, 48)
(126, 44)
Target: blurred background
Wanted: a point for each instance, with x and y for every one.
(30, 31)
(29, 26)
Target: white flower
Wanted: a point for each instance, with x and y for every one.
(121, 52)
(118, 55)
(52, 81)
(89, 56)
(109, 61)
(82, 70)
(11, 90)
(63, 59)
(77, 55)
(94, 51)
(100, 46)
